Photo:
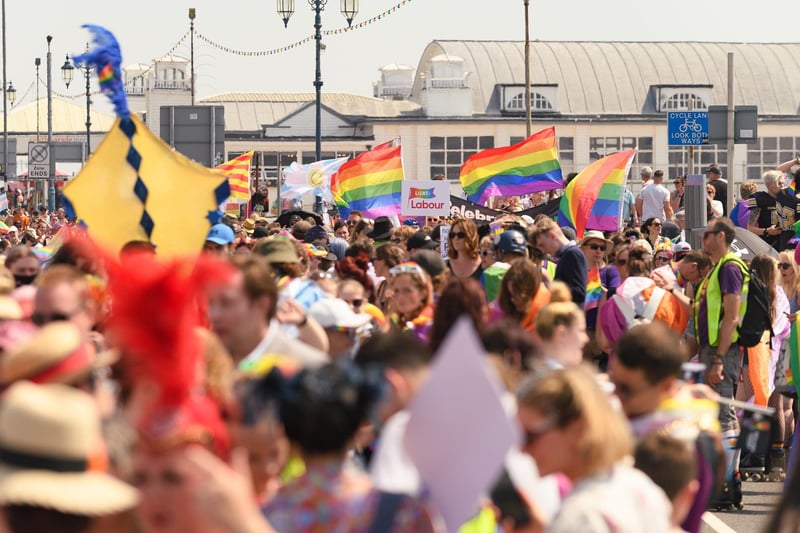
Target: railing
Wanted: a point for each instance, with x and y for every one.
(170, 84)
(395, 90)
(448, 83)
(134, 91)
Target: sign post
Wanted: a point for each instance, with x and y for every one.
(38, 160)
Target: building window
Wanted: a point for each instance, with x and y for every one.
(538, 102)
(447, 154)
(600, 147)
(704, 156)
(680, 102)
(768, 153)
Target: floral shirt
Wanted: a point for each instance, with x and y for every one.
(334, 498)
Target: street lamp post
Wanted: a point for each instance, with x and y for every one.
(5, 108)
(67, 74)
(51, 178)
(349, 9)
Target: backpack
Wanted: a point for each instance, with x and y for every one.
(757, 318)
(646, 316)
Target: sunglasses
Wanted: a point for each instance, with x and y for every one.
(784, 266)
(397, 241)
(661, 259)
(625, 391)
(356, 302)
(458, 235)
(656, 224)
(40, 319)
(598, 247)
(484, 253)
(622, 260)
(407, 268)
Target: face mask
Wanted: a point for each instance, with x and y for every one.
(24, 280)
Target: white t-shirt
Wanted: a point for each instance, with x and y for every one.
(623, 500)
(653, 198)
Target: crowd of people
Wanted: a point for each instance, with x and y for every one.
(265, 384)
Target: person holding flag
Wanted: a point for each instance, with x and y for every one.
(600, 280)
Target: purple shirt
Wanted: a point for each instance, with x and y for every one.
(730, 282)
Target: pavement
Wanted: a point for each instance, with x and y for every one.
(760, 500)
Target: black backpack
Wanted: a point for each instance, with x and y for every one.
(757, 318)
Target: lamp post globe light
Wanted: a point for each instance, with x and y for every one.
(68, 74)
(349, 9)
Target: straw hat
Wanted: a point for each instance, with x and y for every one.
(249, 225)
(594, 235)
(57, 353)
(49, 435)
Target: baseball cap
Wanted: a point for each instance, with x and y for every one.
(713, 169)
(221, 234)
(681, 246)
(411, 222)
(334, 312)
(511, 241)
(420, 240)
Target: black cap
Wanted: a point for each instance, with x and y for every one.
(430, 261)
(714, 169)
(420, 240)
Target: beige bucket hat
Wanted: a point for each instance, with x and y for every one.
(49, 438)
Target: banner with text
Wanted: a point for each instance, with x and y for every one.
(425, 198)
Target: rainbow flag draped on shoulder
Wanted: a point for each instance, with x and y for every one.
(371, 182)
(523, 168)
(593, 199)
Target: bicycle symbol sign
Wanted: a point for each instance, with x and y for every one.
(687, 127)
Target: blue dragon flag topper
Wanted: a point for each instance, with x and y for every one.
(135, 187)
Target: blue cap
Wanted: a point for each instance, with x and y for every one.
(221, 234)
(511, 241)
(411, 222)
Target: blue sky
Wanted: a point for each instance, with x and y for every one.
(351, 61)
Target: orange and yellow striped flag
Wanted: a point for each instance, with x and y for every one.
(238, 172)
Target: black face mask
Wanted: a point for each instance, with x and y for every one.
(24, 280)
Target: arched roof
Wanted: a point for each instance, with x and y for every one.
(67, 117)
(616, 77)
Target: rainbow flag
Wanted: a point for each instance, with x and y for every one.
(371, 182)
(238, 172)
(523, 168)
(794, 359)
(593, 199)
(594, 290)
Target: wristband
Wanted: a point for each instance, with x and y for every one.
(303, 322)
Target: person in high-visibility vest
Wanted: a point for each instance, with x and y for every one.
(719, 304)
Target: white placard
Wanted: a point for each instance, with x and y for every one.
(444, 240)
(425, 198)
(459, 433)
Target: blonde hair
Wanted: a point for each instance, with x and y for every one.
(573, 395)
(748, 189)
(788, 257)
(557, 313)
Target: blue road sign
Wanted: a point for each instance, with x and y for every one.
(687, 128)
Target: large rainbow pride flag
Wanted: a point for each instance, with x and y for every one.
(593, 199)
(371, 182)
(523, 168)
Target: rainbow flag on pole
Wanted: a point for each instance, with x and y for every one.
(593, 199)
(523, 168)
(371, 182)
